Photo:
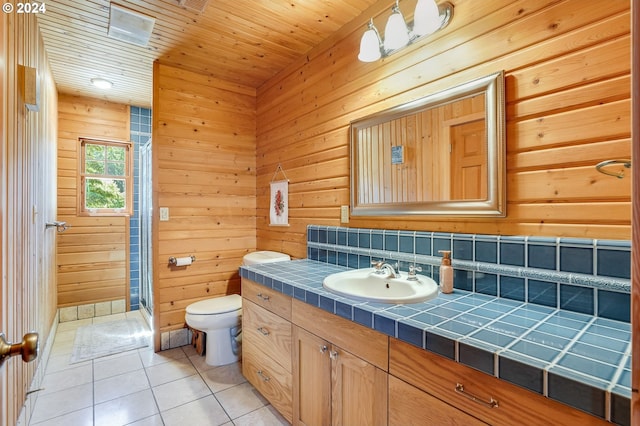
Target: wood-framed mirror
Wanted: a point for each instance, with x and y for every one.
(443, 154)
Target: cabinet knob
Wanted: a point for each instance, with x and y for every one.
(323, 349)
(264, 331)
(333, 355)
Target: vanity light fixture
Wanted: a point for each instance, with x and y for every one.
(428, 18)
(101, 83)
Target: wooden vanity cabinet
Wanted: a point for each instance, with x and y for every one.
(440, 378)
(332, 385)
(266, 344)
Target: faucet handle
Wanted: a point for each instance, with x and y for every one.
(377, 264)
(412, 272)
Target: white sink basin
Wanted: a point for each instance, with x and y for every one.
(365, 284)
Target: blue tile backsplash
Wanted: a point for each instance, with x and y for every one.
(575, 274)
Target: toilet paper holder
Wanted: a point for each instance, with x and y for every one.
(174, 260)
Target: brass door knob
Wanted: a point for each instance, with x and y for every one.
(28, 348)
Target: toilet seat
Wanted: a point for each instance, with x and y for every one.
(216, 305)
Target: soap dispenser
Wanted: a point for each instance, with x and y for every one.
(446, 272)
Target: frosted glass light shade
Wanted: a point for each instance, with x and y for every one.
(370, 45)
(101, 83)
(396, 33)
(426, 19)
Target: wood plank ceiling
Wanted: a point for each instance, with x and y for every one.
(241, 41)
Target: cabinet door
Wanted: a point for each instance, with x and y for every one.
(311, 379)
(359, 391)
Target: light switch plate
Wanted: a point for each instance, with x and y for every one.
(164, 214)
(344, 214)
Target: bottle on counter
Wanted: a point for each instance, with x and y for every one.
(446, 272)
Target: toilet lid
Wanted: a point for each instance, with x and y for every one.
(216, 305)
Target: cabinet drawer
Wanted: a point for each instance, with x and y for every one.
(267, 331)
(270, 379)
(368, 344)
(439, 376)
(410, 406)
(268, 298)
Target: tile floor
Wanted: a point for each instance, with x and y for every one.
(140, 387)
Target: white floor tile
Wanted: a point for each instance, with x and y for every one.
(121, 385)
(154, 420)
(151, 358)
(72, 325)
(116, 390)
(199, 361)
(202, 412)
(63, 402)
(181, 391)
(126, 409)
(107, 318)
(75, 376)
(240, 400)
(170, 371)
(114, 366)
(65, 336)
(223, 377)
(61, 363)
(82, 417)
(265, 416)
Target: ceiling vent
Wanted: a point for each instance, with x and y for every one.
(194, 5)
(130, 26)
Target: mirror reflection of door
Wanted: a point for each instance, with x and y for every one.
(442, 154)
(468, 161)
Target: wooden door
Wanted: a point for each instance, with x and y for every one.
(311, 379)
(359, 391)
(469, 161)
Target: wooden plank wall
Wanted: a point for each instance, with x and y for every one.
(204, 173)
(93, 254)
(28, 166)
(567, 68)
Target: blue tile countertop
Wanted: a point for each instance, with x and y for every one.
(578, 359)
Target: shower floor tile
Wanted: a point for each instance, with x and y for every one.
(143, 388)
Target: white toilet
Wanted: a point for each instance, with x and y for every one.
(220, 317)
(264, 256)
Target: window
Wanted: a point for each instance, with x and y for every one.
(105, 177)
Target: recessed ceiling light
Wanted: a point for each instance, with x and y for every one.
(101, 83)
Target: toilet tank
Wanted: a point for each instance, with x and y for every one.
(264, 256)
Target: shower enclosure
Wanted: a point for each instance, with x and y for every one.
(146, 212)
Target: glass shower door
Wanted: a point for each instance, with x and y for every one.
(146, 214)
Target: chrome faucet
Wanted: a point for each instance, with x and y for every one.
(388, 267)
(381, 266)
